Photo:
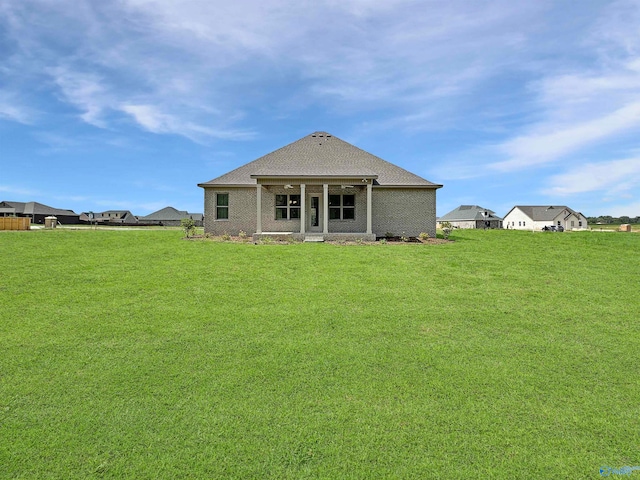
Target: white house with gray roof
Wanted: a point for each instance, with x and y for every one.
(472, 216)
(320, 187)
(534, 217)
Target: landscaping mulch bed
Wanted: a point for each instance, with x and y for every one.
(380, 241)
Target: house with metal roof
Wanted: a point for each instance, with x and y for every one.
(471, 216)
(534, 217)
(169, 216)
(320, 188)
(37, 212)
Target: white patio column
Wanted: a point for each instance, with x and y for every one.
(259, 208)
(369, 212)
(303, 207)
(325, 208)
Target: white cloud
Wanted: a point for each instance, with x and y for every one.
(85, 91)
(196, 67)
(541, 148)
(155, 121)
(619, 209)
(200, 54)
(617, 176)
(9, 189)
(583, 104)
(10, 109)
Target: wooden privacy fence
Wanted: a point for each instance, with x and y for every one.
(15, 223)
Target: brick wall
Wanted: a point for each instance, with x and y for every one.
(404, 211)
(397, 210)
(242, 211)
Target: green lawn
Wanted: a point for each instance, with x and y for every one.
(136, 354)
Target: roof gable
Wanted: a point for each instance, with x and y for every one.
(321, 155)
(543, 213)
(171, 214)
(167, 213)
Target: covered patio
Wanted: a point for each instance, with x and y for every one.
(314, 208)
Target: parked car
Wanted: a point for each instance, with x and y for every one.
(553, 228)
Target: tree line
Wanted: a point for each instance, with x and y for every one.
(606, 219)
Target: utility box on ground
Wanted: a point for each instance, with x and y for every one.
(50, 222)
(625, 227)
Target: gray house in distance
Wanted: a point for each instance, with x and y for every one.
(320, 187)
(169, 216)
(37, 212)
(111, 217)
(472, 216)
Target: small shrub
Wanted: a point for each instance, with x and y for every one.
(383, 241)
(446, 229)
(389, 235)
(226, 237)
(423, 236)
(404, 238)
(189, 227)
(242, 234)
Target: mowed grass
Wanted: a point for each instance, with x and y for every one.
(136, 354)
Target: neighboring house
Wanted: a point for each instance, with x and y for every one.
(37, 212)
(119, 217)
(321, 187)
(169, 216)
(522, 217)
(471, 216)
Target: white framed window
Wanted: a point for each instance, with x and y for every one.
(342, 207)
(287, 207)
(222, 206)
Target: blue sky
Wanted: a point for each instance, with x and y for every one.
(129, 104)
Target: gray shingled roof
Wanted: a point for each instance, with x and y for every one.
(321, 154)
(35, 208)
(468, 213)
(542, 213)
(171, 214)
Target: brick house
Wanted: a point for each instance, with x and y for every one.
(320, 187)
(471, 216)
